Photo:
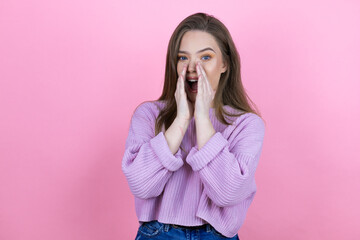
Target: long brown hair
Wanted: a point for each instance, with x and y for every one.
(230, 90)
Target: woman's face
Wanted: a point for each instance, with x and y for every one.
(199, 46)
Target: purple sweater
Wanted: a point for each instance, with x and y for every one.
(214, 185)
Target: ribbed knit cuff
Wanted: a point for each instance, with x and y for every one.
(162, 150)
(197, 159)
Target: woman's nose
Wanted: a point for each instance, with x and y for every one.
(192, 66)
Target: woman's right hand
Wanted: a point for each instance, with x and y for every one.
(185, 109)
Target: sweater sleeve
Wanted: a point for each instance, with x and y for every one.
(147, 162)
(227, 162)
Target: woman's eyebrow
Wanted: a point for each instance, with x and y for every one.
(202, 50)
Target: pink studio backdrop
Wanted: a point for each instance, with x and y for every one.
(72, 72)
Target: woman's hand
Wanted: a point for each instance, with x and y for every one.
(176, 132)
(185, 109)
(205, 94)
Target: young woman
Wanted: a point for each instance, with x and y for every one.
(191, 155)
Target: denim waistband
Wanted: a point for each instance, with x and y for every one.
(167, 226)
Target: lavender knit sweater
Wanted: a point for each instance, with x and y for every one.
(214, 185)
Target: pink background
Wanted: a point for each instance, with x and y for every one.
(72, 72)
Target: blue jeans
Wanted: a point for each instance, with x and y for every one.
(161, 231)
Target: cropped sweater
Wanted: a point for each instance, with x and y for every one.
(213, 185)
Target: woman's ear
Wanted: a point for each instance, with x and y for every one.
(224, 67)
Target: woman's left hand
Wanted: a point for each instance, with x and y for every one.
(205, 94)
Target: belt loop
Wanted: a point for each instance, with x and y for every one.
(208, 228)
(166, 227)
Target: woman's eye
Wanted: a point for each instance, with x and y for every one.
(206, 57)
(182, 58)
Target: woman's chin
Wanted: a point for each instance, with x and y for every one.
(191, 96)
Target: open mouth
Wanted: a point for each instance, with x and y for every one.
(192, 84)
